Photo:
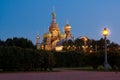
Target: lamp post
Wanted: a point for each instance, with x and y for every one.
(105, 33)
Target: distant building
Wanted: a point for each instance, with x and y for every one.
(53, 38)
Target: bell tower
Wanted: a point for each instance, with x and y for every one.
(38, 42)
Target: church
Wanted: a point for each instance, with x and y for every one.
(52, 40)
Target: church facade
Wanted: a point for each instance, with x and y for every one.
(53, 37)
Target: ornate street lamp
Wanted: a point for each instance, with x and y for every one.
(105, 33)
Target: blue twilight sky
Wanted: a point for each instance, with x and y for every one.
(27, 18)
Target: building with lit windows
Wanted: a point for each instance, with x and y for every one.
(53, 38)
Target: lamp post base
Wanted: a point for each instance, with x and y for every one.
(106, 66)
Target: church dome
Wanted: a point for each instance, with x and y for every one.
(84, 38)
(49, 34)
(54, 25)
(67, 27)
(45, 35)
(63, 35)
(37, 37)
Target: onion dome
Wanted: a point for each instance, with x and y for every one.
(67, 27)
(84, 38)
(49, 34)
(37, 37)
(54, 25)
(45, 35)
(62, 35)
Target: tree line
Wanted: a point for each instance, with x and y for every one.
(89, 46)
(19, 54)
(20, 59)
(18, 42)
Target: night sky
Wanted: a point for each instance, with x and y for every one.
(27, 18)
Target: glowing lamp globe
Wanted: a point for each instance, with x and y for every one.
(105, 32)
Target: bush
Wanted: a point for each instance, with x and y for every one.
(114, 59)
(19, 59)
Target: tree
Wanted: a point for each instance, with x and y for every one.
(2, 43)
(113, 47)
(78, 44)
(20, 42)
(68, 45)
(9, 42)
(95, 59)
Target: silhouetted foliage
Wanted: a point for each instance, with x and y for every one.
(69, 59)
(9, 42)
(94, 59)
(2, 43)
(19, 54)
(19, 59)
(79, 43)
(19, 42)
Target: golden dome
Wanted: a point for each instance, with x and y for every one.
(45, 35)
(49, 34)
(67, 27)
(63, 35)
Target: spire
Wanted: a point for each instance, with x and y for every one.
(67, 22)
(53, 8)
(53, 16)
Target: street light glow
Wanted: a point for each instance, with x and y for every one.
(105, 32)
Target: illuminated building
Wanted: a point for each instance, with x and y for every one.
(53, 38)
